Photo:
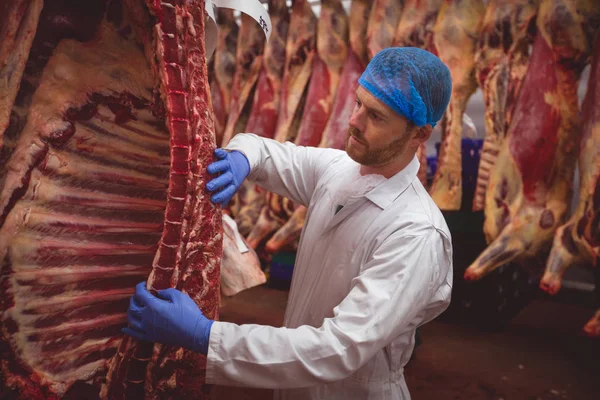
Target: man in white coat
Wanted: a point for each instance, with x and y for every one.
(374, 260)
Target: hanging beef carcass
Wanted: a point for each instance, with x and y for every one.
(223, 69)
(577, 242)
(265, 107)
(103, 173)
(415, 29)
(332, 50)
(501, 63)
(276, 212)
(531, 185)
(299, 53)
(455, 37)
(248, 60)
(266, 101)
(383, 21)
(336, 130)
(300, 50)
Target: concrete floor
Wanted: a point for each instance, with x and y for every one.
(539, 355)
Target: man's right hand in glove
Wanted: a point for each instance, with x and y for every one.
(234, 167)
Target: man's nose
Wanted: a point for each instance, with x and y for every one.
(358, 119)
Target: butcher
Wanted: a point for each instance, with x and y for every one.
(375, 256)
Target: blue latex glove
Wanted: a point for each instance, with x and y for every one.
(172, 318)
(235, 168)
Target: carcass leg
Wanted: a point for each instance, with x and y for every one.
(456, 28)
(382, 24)
(272, 217)
(592, 327)
(289, 232)
(17, 32)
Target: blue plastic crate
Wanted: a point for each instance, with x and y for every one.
(471, 154)
(282, 266)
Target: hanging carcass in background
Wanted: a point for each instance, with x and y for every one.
(332, 50)
(248, 61)
(577, 242)
(103, 187)
(223, 69)
(265, 107)
(531, 183)
(18, 22)
(501, 63)
(455, 36)
(415, 29)
(336, 130)
(299, 53)
(276, 212)
(383, 21)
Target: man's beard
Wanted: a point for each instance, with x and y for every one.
(377, 157)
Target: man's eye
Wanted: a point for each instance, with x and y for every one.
(374, 116)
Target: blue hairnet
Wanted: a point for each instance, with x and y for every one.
(411, 81)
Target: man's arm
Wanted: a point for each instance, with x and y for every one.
(393, 288)
(284, 168)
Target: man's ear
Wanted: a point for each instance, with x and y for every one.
(421, 135)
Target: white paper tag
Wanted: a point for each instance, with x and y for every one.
(253, 8)
(210, 30)
(239, 242)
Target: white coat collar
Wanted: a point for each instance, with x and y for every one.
(385, 193)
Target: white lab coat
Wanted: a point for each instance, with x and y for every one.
(364, 280)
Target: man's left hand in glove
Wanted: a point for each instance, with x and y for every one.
(172, 318)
